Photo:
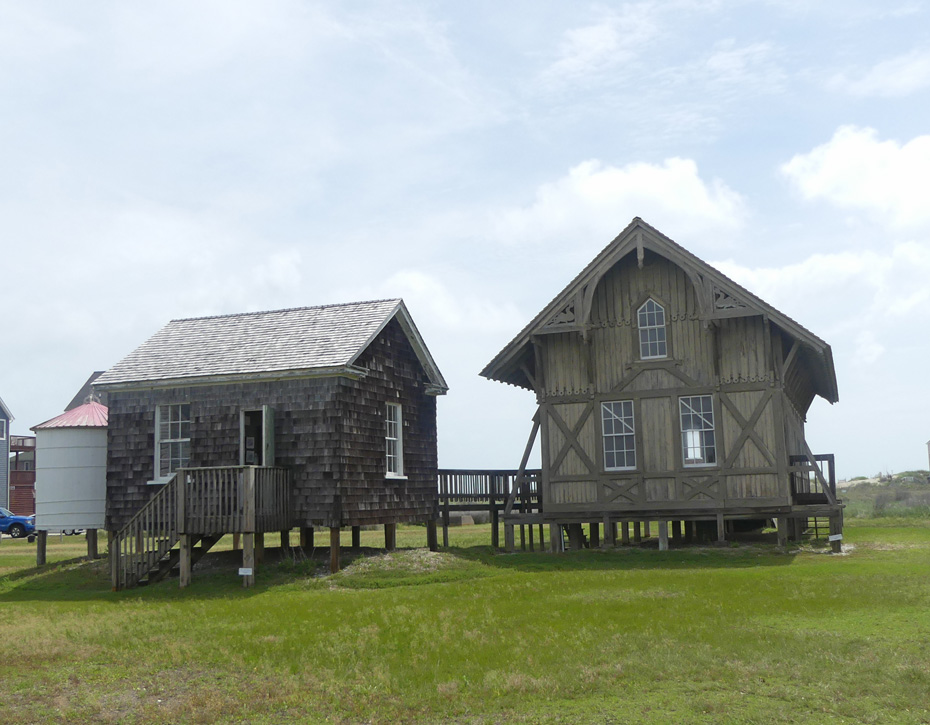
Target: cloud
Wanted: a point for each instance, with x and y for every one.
(855, 170)
(902, 75)
(596, 200)
(591, 51)
(865, 302)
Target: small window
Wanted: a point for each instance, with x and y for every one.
(394, 440)
(698, 445)
(2, 430)
(619, 435)
(651, 323)
(172, 438)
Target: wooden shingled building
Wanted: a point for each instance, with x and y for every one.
(260, 422)
(667, 392)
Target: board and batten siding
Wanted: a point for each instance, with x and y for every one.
(731, 359)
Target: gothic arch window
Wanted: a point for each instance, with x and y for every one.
(652, 338)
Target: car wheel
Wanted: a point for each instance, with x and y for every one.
(17, 531)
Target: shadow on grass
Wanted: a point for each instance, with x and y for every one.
(216, 575)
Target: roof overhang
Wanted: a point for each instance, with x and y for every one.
(346, 371)
(6, 411)
(718, 296)
(437, 384)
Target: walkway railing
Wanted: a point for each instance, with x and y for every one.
(488, 490)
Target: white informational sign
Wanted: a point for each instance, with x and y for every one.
(245, 571)
(835, 537)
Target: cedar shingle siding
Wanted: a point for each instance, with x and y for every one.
(329, 432)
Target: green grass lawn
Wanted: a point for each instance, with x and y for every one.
(744, 634)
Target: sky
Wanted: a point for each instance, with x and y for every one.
(179, 159)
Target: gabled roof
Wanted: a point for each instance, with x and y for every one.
(325, 340)
(90, 415)
(719, 297)
(6, 411)
(86, 391)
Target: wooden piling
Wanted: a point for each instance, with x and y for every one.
(41, 546)
(306, 537)
(92, 550)
(663, 536)
(625, 533)
(248, 559)
(334, 548)
(431, 535)
(356, 537)
(390, 536)
(186, 552)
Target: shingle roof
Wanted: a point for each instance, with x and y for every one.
(89, 415)
(305, 338)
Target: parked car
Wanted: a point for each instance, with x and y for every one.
(16, 526)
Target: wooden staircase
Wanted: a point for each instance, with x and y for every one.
(142, 547)
(202, 504)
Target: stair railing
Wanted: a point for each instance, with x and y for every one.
(148, 536)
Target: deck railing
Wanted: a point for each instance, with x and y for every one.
(813, 478)
(234, 499)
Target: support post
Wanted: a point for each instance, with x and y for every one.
(610, 532)
(509, 545)
(431, 539)
(676, 532)
(495, 526)
(390, 536)
(781, 524)
(689, 531)
(186, 547)
(721, 530)
(356, 537)
(594, 528)
(113, 546)
(542, 539)
(445, 512)
(306, 537)
(92, 551)
(285, 541)
(663, 536)
(260, 548)
(333, 549)
(41, 544)
(646, 532)
(637, 535)
(575, 536)
(625, 533)
(555, 538)
(531, 537)
(522, 537)
(248, 559)
(836, 529)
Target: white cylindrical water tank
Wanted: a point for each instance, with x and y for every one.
(71, 470)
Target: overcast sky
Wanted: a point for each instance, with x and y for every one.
(179, 159)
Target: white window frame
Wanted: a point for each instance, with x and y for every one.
(394, 441)
(625, 421)
(652, 331)
(2, 429)
(698, 431)
(174, 437)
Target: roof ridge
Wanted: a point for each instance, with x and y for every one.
(286, 309)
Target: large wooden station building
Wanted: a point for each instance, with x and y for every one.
(668, 392)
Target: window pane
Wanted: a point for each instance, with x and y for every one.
(619, 438)
(697, 430)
